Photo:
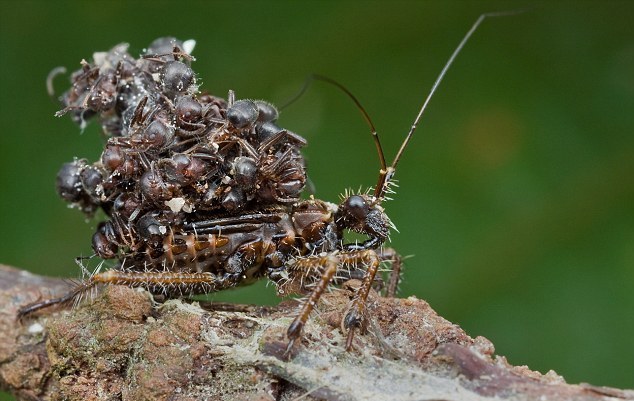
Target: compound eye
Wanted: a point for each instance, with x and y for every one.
(242, 114)
(177, 77)
(357, 206)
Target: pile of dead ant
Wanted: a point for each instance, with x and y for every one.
(173, 155)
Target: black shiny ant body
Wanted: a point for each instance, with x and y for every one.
(158, 187)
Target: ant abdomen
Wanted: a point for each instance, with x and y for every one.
(188, 112)
(233, 199)
(244, 172)
(182, 170)
(243, 114)
(176, 78)
(158, 52)
(112, 157)
(266, 130)
(126, 205)
(266, 112)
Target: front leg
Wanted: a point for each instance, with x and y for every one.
(353, 320)
(329, 267)
(329, 264)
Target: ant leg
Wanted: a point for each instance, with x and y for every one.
(390, 255)
(330, 264)
(354, 318)
(278, 137)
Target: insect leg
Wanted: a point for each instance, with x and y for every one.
(329, 264)
(167, 282)
(46, 303)
(161, 282)
(354, 318)
(278, 137)
(396, 261)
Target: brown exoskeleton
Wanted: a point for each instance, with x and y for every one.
(298, 245)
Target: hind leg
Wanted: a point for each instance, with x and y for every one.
(329, 265)
(160, 282)
(354, 318)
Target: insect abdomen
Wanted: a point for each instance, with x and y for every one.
(187, 253)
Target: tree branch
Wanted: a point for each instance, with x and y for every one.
(123, 346)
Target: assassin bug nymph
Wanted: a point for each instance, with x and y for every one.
(298, 245)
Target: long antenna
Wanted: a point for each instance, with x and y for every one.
(442, 75)
(386, 174)
(366, 116)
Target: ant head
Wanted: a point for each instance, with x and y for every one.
(104, 241)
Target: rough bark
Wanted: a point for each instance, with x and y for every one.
(122, 345)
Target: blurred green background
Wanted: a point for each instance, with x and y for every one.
(516, 195)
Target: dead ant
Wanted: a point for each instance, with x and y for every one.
(299, 246)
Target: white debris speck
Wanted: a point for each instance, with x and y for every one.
(176, 204)
(36, 328)
(226, 179)
(188, 46)
(99, 58)
(163, 230)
